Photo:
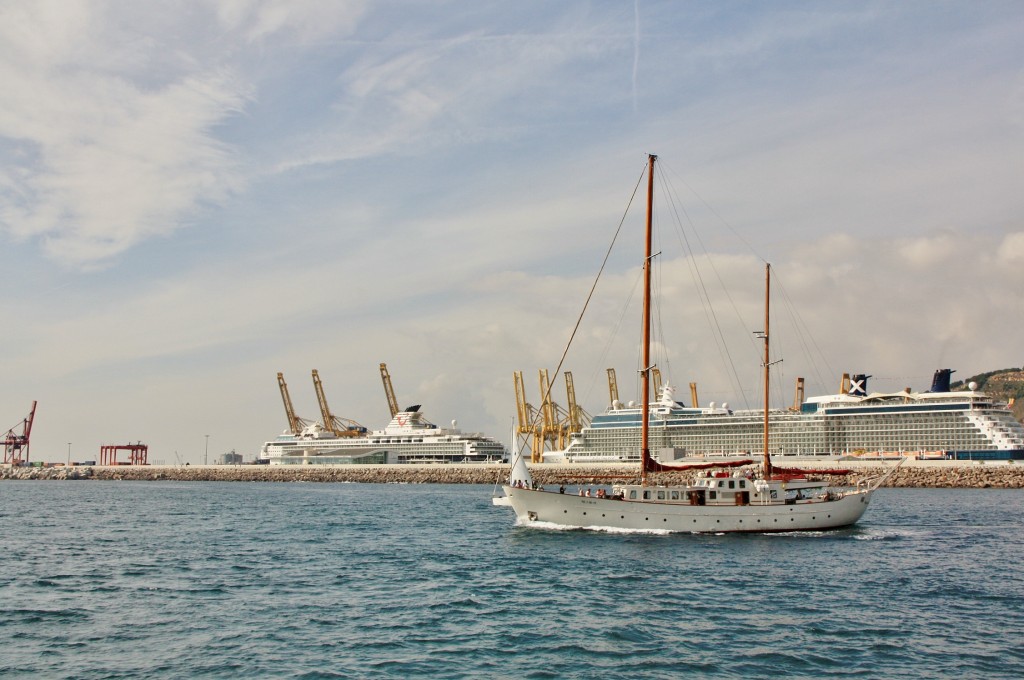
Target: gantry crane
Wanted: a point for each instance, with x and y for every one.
(529, 426)
(16, 446)
(340, 427)
(555, 428)
(389, 391)
(578, 418)
(295, 424)
(613, 388)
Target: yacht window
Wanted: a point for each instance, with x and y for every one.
(632, 494)
(712, 495)
(661, 495)
(647, 495)
(743, 484)
(732, 484)
(675, 495)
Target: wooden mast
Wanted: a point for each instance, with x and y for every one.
(645, 453)
(767, 366)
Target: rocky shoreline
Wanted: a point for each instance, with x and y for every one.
(944, 476)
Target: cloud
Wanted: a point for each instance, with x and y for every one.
(315, 184)
(107, 157)
(1011, 251)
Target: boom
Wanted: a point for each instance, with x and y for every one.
(294, 422)
(340, 427)
(389, 391)
(325, 411)
(613, 387)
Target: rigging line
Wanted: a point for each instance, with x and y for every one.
(590, 295)
(606, 351)
(722, 219)
(804, 333)
(710, 313)
(709, 310)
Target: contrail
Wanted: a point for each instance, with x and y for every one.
(636, 46)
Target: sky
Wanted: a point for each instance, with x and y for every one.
(195, 196)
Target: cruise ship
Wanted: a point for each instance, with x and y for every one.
(409, 438)
(939, 423)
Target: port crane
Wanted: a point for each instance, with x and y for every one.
(656, 378)
(528, 425)
(552, 415)
(295, 424)
(340, 427)
(389, 391)
(577, 417)
(16, 446)
(550, 426)
(613, 388)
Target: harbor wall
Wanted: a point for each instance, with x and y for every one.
(914, 474)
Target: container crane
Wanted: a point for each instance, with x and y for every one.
(577, 418)
(340, 427)
(295, 424)
(613, 388)
(16, 445)
(528, 420)
(555, 418)
(389, 391)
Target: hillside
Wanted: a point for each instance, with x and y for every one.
(1004, 384)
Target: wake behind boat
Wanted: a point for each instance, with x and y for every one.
(764, 500)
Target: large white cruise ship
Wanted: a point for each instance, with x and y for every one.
(961, 425)
(408, 438)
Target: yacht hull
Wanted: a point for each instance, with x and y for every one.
(538, 506)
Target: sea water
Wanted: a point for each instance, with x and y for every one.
(293, 580)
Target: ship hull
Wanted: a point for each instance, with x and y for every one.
(537, 507)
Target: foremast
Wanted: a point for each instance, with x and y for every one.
(767, 367)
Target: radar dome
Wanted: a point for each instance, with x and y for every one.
(972, 386)
(632, 403)
(711, 406)
(455, 423)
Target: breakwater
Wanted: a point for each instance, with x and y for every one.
(942, 475)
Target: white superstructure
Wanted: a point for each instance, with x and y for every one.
(963, 425)
(408, 438)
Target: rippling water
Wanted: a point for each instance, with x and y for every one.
(149, 579)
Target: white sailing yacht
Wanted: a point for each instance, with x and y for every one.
(761, 500)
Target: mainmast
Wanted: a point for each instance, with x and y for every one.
(645, 453)
(767, 366)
